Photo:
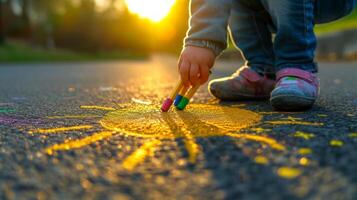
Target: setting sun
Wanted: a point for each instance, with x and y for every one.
(154, 10)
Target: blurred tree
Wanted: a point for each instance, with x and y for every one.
(85, 26)
(25, 16)
(11, 26)
(2, 31)
(44, 14)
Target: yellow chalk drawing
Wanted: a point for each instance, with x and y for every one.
(192, 148)
(290, 118)
(304, 161)
(73, 117)
(196, 121)
(322, 115)
(336, 143)
(146, 121)
(294, 121)
(352, 135)
(305, 151)
(98, 108)
(201, 120)
(273, 113)
(260, 130)
(75, 144)
(288, 172)
(304, 135)
(61, 129)
(139, 156)
(261, 160)
(139, 101)
(261, 139)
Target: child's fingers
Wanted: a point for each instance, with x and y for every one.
(204, 74)
(179, 64)
(194, 74)
(185, 72)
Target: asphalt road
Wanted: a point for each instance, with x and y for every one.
(93, 131)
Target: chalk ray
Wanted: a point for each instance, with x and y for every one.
(192, 147)
(97, 108)
(138, 156)
(73, 117)
(295, 123)
(76, 144)
(261, 139)
(61, 129)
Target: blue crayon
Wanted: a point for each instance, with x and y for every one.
(186, 99)
(177, 100)
(180, 95)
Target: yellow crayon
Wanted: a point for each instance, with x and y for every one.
(192, 92)
(183, 91)
(169, 101)
(177, 90)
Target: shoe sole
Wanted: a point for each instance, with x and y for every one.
(239, 97)
(291, 103)
(247, 98)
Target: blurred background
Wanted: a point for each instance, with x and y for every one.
(51, 30)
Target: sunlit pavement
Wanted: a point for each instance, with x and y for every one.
(94, 131)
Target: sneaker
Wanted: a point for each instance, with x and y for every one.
(245, 84)
(296, 90)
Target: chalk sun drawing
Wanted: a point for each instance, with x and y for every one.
(147, 121)
(143, 120)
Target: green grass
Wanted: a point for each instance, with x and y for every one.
(349, 22)
(21, 53)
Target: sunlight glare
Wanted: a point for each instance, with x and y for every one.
(154, 10)
(102, 4)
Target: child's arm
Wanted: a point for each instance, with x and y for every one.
(208, 24)
(206, 39)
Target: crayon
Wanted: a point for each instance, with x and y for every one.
(180, 95)
(169, 101)
(186, 99)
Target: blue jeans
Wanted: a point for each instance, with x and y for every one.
(253, 23)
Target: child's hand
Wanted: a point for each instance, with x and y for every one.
(195, 64)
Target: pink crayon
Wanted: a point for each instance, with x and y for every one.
(169, 101)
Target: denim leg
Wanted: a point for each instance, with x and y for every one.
(295, 41)
(250, 33)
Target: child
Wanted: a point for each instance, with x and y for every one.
(282, 69)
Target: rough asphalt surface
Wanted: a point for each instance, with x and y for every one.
(320, 161)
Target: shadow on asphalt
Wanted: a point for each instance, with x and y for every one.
(233, 172)
(237, 174)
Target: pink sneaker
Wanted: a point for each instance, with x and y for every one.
(296, 90)
(245, 84)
